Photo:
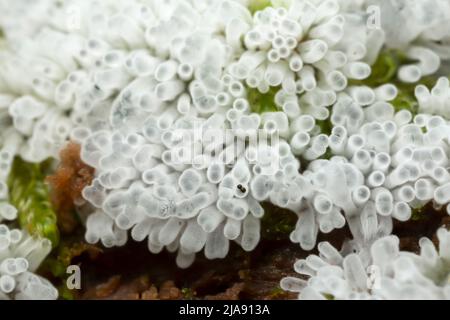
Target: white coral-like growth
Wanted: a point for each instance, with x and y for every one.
(420, 29)
(20, 256)
(134, 77)
(384, 164)
(160, 94)
(435, 101)
(378, 270)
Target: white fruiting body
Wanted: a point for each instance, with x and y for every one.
(435, 101)
(420, 29)
(160, 97)
(378, 271)
(155, 73)
(20, 256)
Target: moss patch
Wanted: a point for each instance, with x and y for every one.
(30, 195)
(258, 5)
(262, 102)
(277, 223)
(385, 70)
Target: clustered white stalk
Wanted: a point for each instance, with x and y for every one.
(20, 256)
(378, 270)
(420, 29)
(385, 164)
(128, 80)
(435, 101)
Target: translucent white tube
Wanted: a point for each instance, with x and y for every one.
(362, 95)
(156, 175)
(288, 83)
(295, 63)
(249, 61)
(250, 233)
(111, 79)
(356, 51)
(275, 73)
(402, 211)
(215, 172)
(361, 195)
(166, 71)
(306, 230)
(363, 161)
(210, 218)
(384, 202)
(355, 142)
(402, 156)
(357, 70)
(273, 56)
(386, 92)
(170, 231)
(312, 51)
(190, 181)
(429, 61)
(441, 175)
(304, 123)
(236, 89)
(397, 177)
(142, 64)
(319, 145)
(3, 190)
(235, 31)
(7, 284)
(193, 238)
(241, 105)
(306, 75)
(322, 204)
(376, 179)
(292, 109)
(424, 189)
(217, 245)
(337, 80)
(442, 194)
(169, 90)
(381, 162)
(260, 187)
(232, 229)
(405, 193)
(185, 71)
(166, 119)
(7, 211)
(409, 73)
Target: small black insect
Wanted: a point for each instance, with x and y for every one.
(241, 188)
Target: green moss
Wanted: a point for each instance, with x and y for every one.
(325, 126)
(419, 214)
(61, 258)
(277, 223)
(277, 292)
(65, 293)
(30, 195)
(262, 102)
(188, 293)
(328, 296)
(405, 101)
(258, 5)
